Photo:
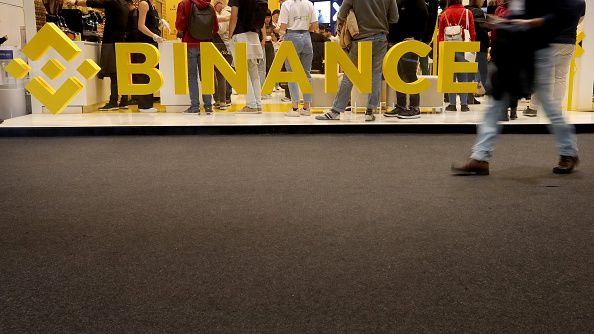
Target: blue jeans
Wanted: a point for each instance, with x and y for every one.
(380, 47)
(543, 84)
(459, 77)
(302, 42)
(193, 75)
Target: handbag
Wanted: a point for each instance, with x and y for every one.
(469, 56)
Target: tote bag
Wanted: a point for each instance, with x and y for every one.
(469, 56)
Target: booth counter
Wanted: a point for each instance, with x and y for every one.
(173, 101)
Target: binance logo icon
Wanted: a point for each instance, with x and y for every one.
(50, 36)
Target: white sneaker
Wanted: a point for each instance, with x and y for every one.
(149, 110)
(223, 107)
(266, 97)
(304, 112)
(293, 113)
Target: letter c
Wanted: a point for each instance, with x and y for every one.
(391, 67)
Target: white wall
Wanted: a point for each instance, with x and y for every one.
(11, 21)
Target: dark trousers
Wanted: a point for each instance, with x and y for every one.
(113, 97)
(407, 69)
(269, 49)
(285, 86)
(144, 101)
(424, 63)
(223, 88)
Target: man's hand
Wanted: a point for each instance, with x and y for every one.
(528, 24)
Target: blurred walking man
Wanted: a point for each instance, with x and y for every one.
(540, 18)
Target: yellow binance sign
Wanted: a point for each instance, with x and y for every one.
(50, 36)
(360, 74)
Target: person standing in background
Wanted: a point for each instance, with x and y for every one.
(317, 41)
(267, 39)
(297, 19)
(563, 46)
(182, 24)
(374, 18)
(116, 19)
(492, 6)
(223, 89)
(275, 24)
(411, 25)
(131, 37)
(502, 11)
(432, 9)
(242, 29)
(148, 32)
(456, 14)
(276, 45)
(482, 36)
(271, 39)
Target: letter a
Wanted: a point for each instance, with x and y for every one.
(361, 76)
(287, 52)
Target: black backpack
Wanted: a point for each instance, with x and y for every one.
(201, 23)
(258, 16)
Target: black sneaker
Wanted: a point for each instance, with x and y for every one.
(192, 111)
(110, 106)
(123, 105)
(464, 108)
(369, 116)
(529, 112)
(410, 113)
(208, 110)
(394, 112)
(451, 107)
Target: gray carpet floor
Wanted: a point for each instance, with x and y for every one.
(293, 234)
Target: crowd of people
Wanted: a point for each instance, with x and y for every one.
(525, 48)
(384, 22)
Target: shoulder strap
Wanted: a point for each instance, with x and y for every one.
(446, 18)
(461, 17)
(467, 21)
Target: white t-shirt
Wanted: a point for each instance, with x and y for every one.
(297, 14)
